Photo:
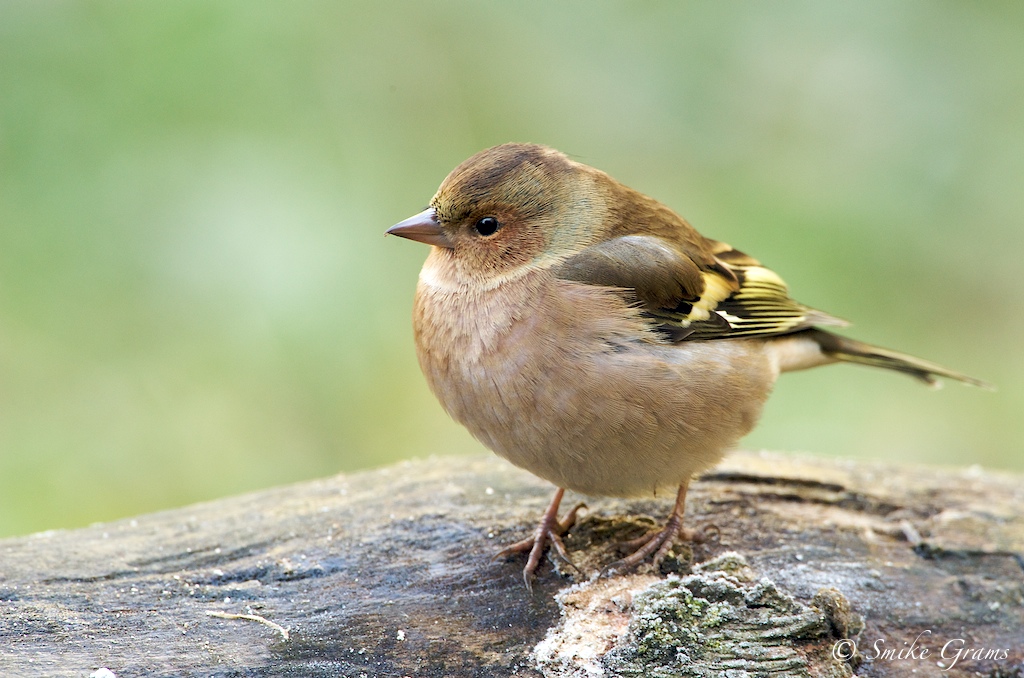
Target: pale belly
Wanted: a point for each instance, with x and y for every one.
(586, 404)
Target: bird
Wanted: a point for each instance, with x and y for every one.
(589, 334)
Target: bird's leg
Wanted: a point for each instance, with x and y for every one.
(549, 531)
(659, 543)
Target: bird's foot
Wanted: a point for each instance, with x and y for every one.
(660, 543)
(549, 531)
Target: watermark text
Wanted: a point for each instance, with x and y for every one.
(945, 654)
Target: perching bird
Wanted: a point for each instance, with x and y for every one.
(588, 334)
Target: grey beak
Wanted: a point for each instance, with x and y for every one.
(423, 227)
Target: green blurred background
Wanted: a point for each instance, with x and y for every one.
(196, 298)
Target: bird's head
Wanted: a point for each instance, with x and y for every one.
(510, 206)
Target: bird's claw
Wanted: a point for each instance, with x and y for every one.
(659, 543)
(549, 532)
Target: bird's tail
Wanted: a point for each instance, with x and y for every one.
(852, 351)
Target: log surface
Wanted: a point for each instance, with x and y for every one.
(388, 573)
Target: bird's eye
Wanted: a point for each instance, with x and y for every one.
(487, 226)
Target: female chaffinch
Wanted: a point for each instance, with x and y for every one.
(587, 333)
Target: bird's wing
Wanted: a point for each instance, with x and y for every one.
(724, 294)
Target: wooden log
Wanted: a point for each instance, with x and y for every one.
(389, 573)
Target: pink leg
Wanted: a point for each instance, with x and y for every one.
(549, 531)
(659, 543)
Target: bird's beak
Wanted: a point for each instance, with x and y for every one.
(423, 227)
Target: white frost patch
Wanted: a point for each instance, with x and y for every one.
(595, 615)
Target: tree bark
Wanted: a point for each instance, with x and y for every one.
(389, 573)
